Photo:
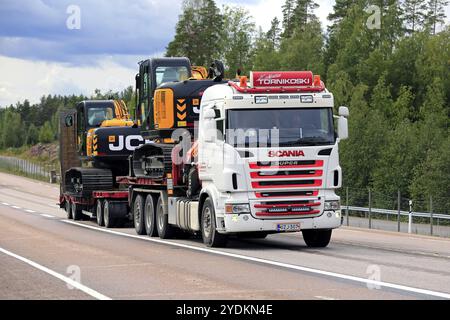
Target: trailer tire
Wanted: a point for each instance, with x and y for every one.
(211, 237)
(68, 209)
(138, 215)
(110, 222)
(99, 213)
(150, 217)
(77, 214)
(165, 230)
(319, 238)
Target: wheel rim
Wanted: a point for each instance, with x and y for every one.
(148, 215)
(207, 222)
(106, 213)
(99, 212)
(160, 217)
(137, 213)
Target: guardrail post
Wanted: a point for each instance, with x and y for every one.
(370, 209)
(410, 217)
(346, 203)
(399, 199)
(431, 215)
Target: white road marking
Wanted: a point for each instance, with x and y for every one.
(30, 211)
(275, 263)
(67, 280)
(324, 298)
(16, 207)
(5, 204)
(47, 215)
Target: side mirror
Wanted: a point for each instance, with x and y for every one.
(343, 112)
(342, 128)
(69, 121)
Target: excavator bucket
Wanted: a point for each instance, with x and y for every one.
(68, 154)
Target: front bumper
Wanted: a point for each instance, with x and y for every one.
(247, 223)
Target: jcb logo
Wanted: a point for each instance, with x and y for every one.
(129, 143)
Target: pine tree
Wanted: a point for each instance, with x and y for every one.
(435, 13)
(199, 32)
(414, 11)
(288, 17)
(274, 33)
(304, 13)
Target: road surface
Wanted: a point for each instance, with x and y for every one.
(45, 256)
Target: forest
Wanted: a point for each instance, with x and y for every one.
(387, 60)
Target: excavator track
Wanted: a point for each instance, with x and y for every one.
(80, 182)
(152, 160)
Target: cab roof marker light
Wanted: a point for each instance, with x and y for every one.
(261, 100)
(306, 99)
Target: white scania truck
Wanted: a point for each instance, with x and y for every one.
(268, 158)
(239, 158)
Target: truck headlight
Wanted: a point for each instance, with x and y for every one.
(237, 208)
(332, 205)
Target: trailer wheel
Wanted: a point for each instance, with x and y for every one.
(109, 221)
(99, 213)
(68, 210)
(138, 215)
(317, 238)
(165, 230)
(150, 217)
(211, 237)
(77, 214)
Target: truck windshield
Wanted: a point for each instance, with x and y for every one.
(292, 127)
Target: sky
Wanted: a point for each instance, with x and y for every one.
(46, 49)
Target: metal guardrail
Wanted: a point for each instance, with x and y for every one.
(395, 212)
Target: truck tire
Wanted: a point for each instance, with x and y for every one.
(165, 230)
(99, 213)
(77, 214)
(69, 210)
(138, 215)
(319, 238)
(211, 237)
(150, 217)
(110, 222)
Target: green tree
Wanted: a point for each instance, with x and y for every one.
(415, 12)
(32, 135)
(435, 13)
(238, 39)
(46, 133)
(288, 17)
(199, 32)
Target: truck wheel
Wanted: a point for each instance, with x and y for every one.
(109, 221)
(165, 230)
(68, 210)
(211, 237)
(138, 215)
(99, 213)
(77, 214)
(317, 238)
(149, 213)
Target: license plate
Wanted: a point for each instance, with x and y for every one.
(288, 227)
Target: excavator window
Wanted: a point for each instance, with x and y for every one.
(171, 74)
(97, 115)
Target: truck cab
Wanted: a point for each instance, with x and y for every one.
(268, 157)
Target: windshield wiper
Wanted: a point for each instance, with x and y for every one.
(309, 141)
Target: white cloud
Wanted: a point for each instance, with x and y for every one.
(24, 79)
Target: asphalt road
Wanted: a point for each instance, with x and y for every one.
(44, 256)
